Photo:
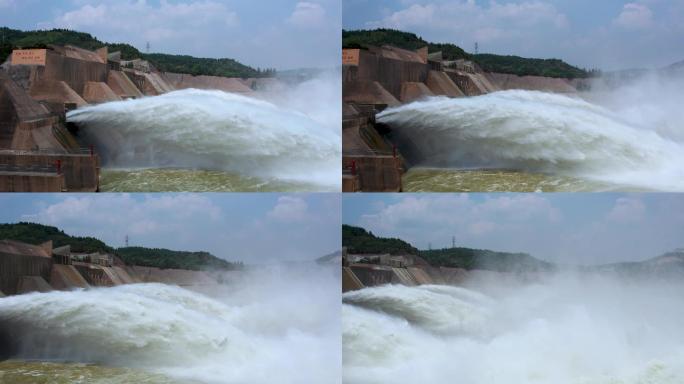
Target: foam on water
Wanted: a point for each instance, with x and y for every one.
(539, 132)
(566, 331)
(214, 130)
(256, 335)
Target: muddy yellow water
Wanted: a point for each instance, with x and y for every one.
(37, 372)
(419, 179)
(185, 180)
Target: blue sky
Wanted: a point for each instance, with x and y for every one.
(251, 227)
(606, 34)
(574, 228)
(283, 34)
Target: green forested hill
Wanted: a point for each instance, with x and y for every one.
(33, 233)
(165, 258)
(469, 258)
(360, 241)
(37, 233)
(12, 38)
(489, 62)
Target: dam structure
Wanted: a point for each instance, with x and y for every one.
(39, 150)
(375, 78)
(371, 270)
(26, 268)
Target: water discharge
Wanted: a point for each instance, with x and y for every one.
(567, 330)
(215, 130)
(538, 132)
(277, 331)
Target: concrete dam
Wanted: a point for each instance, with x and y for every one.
(69, 115)
(398, 104)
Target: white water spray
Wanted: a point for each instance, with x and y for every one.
(279, 331)
(215, 130)
(566, 331)
(539, 132)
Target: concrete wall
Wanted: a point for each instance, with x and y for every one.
(440, 84)
(31, 182)
(16, 108)
(99, 92)
(420, 276)
(122, 85)
(76, 73)
(368, 92)
(371, 275)
(171, 276)
(66, 277)
(14, 267)
(150, 84)
(412, 91)
(94, 275)
(376, 173)
(465, 83)
(81, 171)
(28, 284)
(349, 280)
(56, 91)
(390, 73)
(402, 276)
(226, 84)
(533, 83)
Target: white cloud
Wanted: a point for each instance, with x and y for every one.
(635, 16)
(495, 21)
(308, 15)
(289, 209)
(419, 219)
(111, 217)
(627, 210)
(141, 19)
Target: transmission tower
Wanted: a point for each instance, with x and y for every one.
(126, 240)
(453, 241)
(477, 48)
(147, 47)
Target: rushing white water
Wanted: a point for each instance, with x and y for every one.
(539, 132)
(215, 130)
(566, 331)
(266, 330)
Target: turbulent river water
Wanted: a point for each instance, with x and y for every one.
(566, 331)
(277, 327)
(551, 141)
(222, 141)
